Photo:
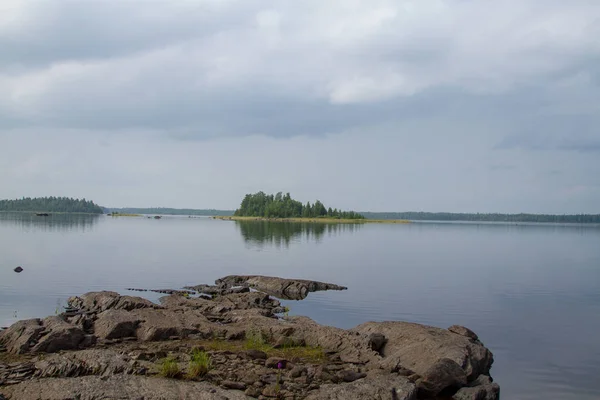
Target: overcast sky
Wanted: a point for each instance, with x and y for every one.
(381, 105)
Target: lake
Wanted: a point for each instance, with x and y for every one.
(531, 292)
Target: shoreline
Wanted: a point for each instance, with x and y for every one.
(313, 220)
(234, 340)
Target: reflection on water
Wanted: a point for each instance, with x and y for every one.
(529, 291)
(51, 223)
(278, 234)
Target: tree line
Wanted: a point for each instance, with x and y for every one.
(283, 206)
(486, 217)
(51, 204)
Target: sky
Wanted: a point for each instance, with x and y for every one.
(370, 105)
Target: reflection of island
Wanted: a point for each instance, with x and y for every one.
(282, 233)
(50, 223)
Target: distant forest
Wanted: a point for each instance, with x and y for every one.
(428, 216)
(170, 211)
(283, 206)
(51, 204)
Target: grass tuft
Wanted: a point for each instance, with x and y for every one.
(200, 364)
(169, 368)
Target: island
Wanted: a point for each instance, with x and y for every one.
(283, 208)
(42, 206)
(234, 340)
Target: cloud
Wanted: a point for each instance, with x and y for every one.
(210, 68)
(404, 105)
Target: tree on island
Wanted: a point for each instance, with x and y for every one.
(51, 204)
(283, 206)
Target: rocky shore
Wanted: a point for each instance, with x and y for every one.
(232, 340)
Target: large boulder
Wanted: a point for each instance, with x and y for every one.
(21, 336)
(165, 324)
(49, 335)
(417, 347)
(116, 324)
(58, 335)
(444, 378)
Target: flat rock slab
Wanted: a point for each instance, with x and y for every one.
(392, 387)
(289, 289)
(118, 387)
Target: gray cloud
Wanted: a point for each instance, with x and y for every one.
(436, 97)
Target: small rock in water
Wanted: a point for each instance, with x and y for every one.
(18, 269)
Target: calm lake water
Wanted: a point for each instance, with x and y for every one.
(532, 293)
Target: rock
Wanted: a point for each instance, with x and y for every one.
(480, 389)
(250, 378)
(350, 376)
(271, 391)
(95, 302)
(276, 362)
(163, 324)
(444, 378)
(297, 371)
(49, 335)
(377, 341)
(233, 385)
(256, 354)
(488, 392)
(19, 269)
(290, 289)
(253, 391)
(119, 387)
(116, 324)
(381, 387)
(58, 335)
(21, 336)
(417, 347)
(461, 330)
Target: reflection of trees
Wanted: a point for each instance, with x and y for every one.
(52, 223)
(283, 233)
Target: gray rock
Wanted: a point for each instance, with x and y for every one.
(291, 289)
(233, 385)
(256, 354)
(21, 336)
(276, 362)
(58, 335)
(377, 341)
(379, 387)
(49, 335)
(116, 324)
(118, 387)
(417, 347)
(488, 392)
(444, 378)
(297, 371)
(461, 330)
(350, 376)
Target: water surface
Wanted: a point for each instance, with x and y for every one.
(531, 292)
